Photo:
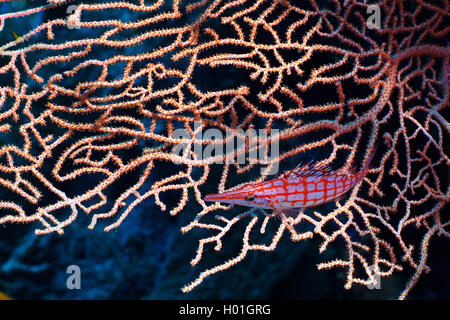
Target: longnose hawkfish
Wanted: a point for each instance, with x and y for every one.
(302, 187)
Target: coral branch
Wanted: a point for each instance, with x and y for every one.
(91, 102)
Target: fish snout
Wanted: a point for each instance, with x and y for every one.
(213, 197)
(226, 197)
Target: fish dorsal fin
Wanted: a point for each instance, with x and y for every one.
(307, 170)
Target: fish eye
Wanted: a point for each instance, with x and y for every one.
(251, 198)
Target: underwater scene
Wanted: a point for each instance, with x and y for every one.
(224, 149)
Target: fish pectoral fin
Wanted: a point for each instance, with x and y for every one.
(290, 215)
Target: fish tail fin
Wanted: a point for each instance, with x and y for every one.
(369, 162)
(353, 168)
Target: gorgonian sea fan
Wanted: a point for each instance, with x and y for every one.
(92, 100)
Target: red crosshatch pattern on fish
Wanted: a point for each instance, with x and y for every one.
(305, 186)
